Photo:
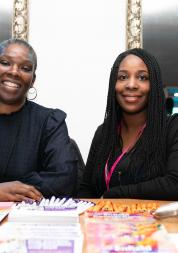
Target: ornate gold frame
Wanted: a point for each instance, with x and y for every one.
(134, 26)
(20, 19)
(134, 29)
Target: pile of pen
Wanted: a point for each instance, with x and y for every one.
(56, 204)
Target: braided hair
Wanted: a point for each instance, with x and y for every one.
(153, 137)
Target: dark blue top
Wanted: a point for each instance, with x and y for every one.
(35, 149)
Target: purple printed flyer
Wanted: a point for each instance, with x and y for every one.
(52, 246)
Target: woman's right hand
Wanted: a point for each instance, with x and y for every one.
(18, 191)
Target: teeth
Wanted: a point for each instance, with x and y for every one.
(10, 84)
(131, 99)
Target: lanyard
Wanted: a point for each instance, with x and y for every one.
(108, 174)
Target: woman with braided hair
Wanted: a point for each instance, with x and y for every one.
(134, 153)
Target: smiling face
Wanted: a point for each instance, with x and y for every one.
(17, 74)
(133, 85)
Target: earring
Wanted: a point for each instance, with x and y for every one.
(32, 93)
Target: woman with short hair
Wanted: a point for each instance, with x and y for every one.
(36, 155)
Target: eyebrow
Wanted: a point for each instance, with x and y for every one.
(26, 60)
(139, 71)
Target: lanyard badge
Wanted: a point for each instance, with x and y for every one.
(108, 174)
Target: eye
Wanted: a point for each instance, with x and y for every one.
(122, 77)
(4, 62)
(143, 77)
(26, 68)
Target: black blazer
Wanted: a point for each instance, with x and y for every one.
(35, 149)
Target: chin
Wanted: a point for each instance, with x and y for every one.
(12, 101)
(134, 111)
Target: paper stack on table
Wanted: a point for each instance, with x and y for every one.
(54, 210)
(126, 227)
(40, 238)
(51, 225)
(112, 235)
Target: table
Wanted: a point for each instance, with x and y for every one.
(171, 224)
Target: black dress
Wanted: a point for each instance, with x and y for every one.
(131, 179)
(35, 149)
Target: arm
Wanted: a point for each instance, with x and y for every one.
(165, 187)
(87, 189)
(57, 173)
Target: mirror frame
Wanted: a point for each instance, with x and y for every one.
(133, 30)
(20, 19)
(134, 24)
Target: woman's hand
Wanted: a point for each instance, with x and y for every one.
(18, 191)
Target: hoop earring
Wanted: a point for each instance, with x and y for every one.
(32, 93)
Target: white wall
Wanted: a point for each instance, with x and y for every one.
(77, 43)
(6, 10)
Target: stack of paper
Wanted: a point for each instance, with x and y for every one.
(55, 210)
(40, 238)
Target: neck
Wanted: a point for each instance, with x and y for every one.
(132, 122)
(8, 109)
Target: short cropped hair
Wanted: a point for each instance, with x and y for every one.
(8, 42)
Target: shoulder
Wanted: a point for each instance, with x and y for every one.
(97, 136)
(99, 132)
(172, 121)
(41, 113)
(172, 126)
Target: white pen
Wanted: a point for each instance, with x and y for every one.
(42, 202)
(61, 201)
(73, 203)
(67, 203)
(33, 204)
(51, 202)
(46, 202)
(56, 202)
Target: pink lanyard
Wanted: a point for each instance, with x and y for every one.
(108, 174)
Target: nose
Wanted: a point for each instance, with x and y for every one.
(14, 70)
(132, 83)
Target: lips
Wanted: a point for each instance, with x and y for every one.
(10, 84)
(131, 98)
